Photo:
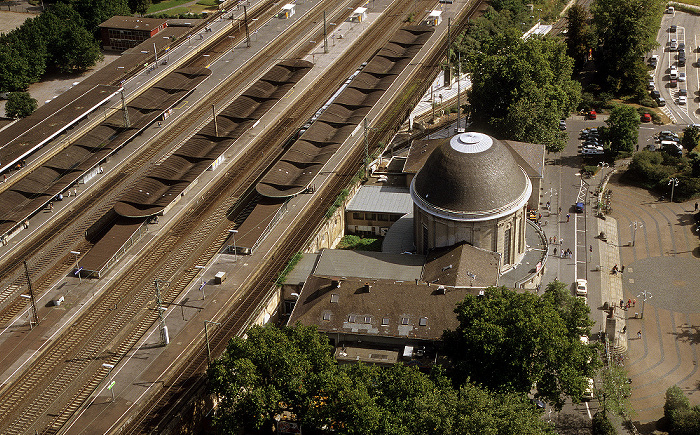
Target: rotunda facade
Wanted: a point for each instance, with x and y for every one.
(472, 190)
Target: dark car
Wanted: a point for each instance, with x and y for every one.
(673, 28)
(681, 46)
(683, 92)
(660, 101)
(655, 94)
(579, 207)
(681, 61)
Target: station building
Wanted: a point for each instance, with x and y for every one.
(121, 33)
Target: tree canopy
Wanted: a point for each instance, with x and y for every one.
(579, 38)
(523, 88)
(622, 129)
(19, 105)
(291, 370)
(691, 137)
(509, 341)
(626, 31)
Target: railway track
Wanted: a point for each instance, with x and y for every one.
(81, 356)
(49, 249)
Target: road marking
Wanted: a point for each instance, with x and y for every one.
(588, 410)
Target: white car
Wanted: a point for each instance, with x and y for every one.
(581, 287)
(682, 99)
(674, 72)
(681, 77)
(674, 44)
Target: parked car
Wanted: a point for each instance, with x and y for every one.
(646, 117)
(683, 91)
(581, 284)
(681, 77)
(673, 45)
(593, 151)
(681, 46)
(562, 124)
(673, 73)
(682, 99)
(670, 10)
(651, 86)
(585, 132)
(660, 101)
(673, 83)
(673, 28)
(681, 60)
(655, 94)
(592, 114)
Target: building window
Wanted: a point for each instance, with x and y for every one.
(368, 319)
(425, 239)
(423, 321)
(385, 321)
(370, 216)
(356, 215)
(334, 298)
(382, 217)
(404, 320)
(327, 316)
(351, 318)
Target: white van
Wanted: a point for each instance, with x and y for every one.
(670, 10)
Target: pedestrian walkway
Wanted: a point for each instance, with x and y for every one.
(611, 283)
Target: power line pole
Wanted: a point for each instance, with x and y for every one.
(216, 126)
(325, 34)
(127, 124)
(164, 338)
(34, 317)
(245, 19)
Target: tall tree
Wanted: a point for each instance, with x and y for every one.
(691, 137)
(626, 31)
(522, 89)
(20, 105)
(579, 35)
(139, 6)
(623, 129)
(510, 341)
(94, 12)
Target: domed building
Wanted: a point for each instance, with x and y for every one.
(472, 190)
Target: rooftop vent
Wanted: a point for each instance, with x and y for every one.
(334, 298)
(441, 290)
(367, 287)
(423, 321)
(404, 320)
(326, 316)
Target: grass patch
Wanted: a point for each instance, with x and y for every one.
(290, 266)
(360, 243)
(212, 3)
(167, 4)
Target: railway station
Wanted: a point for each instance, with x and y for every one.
(257, 222)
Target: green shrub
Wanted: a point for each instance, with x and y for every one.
(353, 242)
(675, 400)
(647, 101)
(686, 421)
(290, 266)
(602, 424)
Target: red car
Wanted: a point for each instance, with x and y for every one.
(646, 117)
(591, 114)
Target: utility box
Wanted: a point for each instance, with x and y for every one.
(287, 11)
(220, 277)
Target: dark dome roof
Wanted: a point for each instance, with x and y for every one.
(472, 175)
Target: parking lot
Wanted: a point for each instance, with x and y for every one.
(687, 77)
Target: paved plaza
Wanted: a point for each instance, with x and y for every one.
(661, 260)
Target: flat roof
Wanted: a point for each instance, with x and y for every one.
(369, 264)
(133, 23)
(381, 199)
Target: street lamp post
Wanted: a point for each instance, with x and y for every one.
(644, 295)
(635, 225)
(206, 337)
(235, 251)
(77, 268)
(110, 387)
(201, 287)
(673, 182)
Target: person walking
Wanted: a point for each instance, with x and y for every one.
(555, 252)
(568, 216)
(696, 206)
(639, 334)
(590, 248)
